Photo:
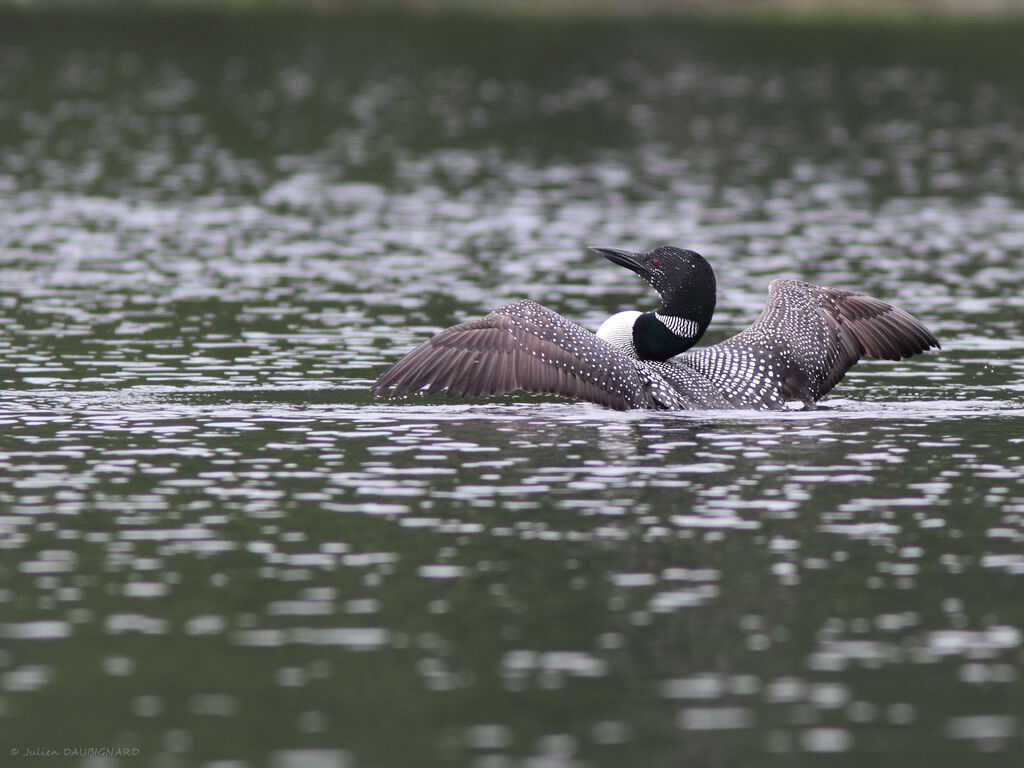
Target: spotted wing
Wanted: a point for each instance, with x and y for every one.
(521, 346)
(804, 342)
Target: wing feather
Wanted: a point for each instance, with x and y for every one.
(520, 346)
(865, 327)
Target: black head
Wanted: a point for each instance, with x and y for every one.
(684, 279)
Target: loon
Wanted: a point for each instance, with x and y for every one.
(804, 342)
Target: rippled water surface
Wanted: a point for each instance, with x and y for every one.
(220, 550)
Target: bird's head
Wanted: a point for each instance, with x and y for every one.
(683, 279)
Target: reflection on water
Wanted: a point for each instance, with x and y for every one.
(219, 547)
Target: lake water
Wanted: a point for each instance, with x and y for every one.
(220, 550)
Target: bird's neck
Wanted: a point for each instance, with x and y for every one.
(652, 335)
(676, 326)
(658, 337)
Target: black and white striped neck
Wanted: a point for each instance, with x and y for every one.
(659, 337)
(650, 335)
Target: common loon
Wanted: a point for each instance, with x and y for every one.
(801, 346)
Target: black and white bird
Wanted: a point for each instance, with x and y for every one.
(801, 346)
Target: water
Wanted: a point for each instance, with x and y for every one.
(219, 549)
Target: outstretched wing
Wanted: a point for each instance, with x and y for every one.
(866, 327)
(521, 346)
(804, 342)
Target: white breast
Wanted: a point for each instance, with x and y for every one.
(618, 330)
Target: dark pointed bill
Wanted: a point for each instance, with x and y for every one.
(623, 259)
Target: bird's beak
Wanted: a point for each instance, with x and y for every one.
(624, 259)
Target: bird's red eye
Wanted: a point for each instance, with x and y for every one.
(655, 263)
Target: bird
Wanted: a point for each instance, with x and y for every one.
(803, 343)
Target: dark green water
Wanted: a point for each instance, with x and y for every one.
(219, 550)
